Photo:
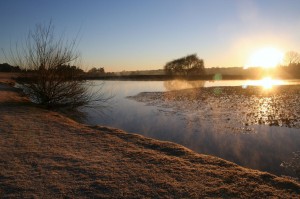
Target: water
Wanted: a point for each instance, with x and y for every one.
(265, 149)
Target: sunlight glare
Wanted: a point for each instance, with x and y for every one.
(268, 57)
(266, 83)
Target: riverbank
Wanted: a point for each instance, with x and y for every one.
(44, 154)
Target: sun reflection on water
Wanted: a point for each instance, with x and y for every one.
(266, 83)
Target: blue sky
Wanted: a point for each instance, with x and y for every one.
(145, 34)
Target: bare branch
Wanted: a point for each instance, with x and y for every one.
(292, 57)
(53, 78)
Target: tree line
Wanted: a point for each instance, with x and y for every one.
(192, 65)
(5, 67)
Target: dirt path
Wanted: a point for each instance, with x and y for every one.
(46, 155)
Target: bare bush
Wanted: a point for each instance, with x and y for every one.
(51, 78)
(291, 57)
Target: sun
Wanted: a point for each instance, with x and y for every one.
(267, 57)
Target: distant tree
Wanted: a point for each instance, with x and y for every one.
(70, 71)
(53, 79)
(101, 70)
(292, 57)
(189, 65)
(8, 68)
(292, 61)
(97, 70)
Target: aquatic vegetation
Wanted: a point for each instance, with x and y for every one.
(235, 108)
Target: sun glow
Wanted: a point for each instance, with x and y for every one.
(268, 57)
(266, 83)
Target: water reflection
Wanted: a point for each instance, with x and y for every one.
(182, 84)
(209, 125)
(266, 83)
(246, 83)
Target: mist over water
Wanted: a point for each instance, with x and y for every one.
(215, 133)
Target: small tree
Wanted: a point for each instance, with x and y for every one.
(53, 79)
(8, 68)
(189, 65)
(97, 70)
(292, 61)
(291, 57)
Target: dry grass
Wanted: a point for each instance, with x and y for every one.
(46, 155)
(7, 78)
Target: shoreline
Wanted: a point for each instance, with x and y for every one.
(45, 154)
(142, 77)
(252, 127)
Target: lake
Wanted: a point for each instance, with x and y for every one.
(263, 147)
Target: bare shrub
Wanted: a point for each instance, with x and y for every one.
(51, 78)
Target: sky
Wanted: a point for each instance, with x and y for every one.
(145, 34)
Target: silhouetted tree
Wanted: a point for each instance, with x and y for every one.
(97, 70)
(292, 57)
(292, 61)
(189, 65)
(53, 80)
(8, 68)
